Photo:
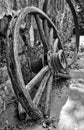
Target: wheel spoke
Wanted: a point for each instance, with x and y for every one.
(48, 96)
(31, 32)
(41, 89)
(41, 31)
(55, 46)
(37, 78)
(51, 37)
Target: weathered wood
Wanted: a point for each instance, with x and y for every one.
(34, 11)
(13, 62)
(55, 46)
(45, 23)
(37, 78)
(59, 65)
(15, 73)
(63, 75)
(41, 31)
(51, 37)
(41, 89)
(75, 24)
(48, 96)
(21, 112)
(29, 87)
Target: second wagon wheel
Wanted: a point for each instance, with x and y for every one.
(42, 68)
(63, 14)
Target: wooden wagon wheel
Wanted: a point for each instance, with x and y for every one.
(45, 75)
(45, 9)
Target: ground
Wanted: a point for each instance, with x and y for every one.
(8, 102)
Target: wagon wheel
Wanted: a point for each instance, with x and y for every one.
(44, 76)
(51, 5)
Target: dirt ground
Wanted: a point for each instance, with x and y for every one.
(8, 102)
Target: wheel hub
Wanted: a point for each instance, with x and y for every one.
(56, 61)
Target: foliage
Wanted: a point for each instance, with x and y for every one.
(80, 14)
(5, 8)
(58, 11)
(61, 15)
